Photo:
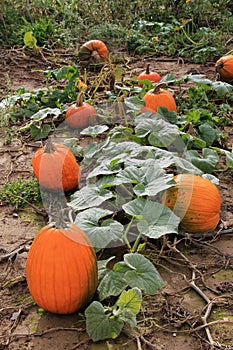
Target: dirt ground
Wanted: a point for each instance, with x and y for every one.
(193, 310)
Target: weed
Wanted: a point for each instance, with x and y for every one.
(21, 191)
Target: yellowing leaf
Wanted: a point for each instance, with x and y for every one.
(30, 40)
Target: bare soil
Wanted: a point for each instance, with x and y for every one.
(198, 276)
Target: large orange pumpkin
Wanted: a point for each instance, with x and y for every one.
(61, 269)
(196, 200)
(80, 114)
(157, 97)
(55, 167)
(149, 75)
(224, 68)
(91, 46)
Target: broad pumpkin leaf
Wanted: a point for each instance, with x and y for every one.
(112, 284)
(102, 233)
(207, 133)
(154, 219)
(94, 130)
(45, 112)
(139, 272)
(106, 168)
(185, 166)
(99, 324)
(39, 133)
(205, 161)
(200, 79)
(65, 72)
(102, 267)
(160, 133)
(89, 196)
(148, 180)
(167, 115)
(222, 88)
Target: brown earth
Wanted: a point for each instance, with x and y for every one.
(198, 276)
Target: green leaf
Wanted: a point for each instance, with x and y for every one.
(130, 299)
(185, 166)
(222, 88)
(100, 325)
(154, 219)
(160, 133)
(102, 267)
(167, 115)
(45, 112)
(101, 233)
(206, 161)
(106, 168)
(112, 284)
(149, 180)
(29, 40)
(200, 79)
(39, 133)
(142, 273)
(65, 72)
(94, 130)
(207, 133)
(89, 196)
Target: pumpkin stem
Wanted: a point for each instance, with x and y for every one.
(49, 147)
(148, 68)
(157, 88)
(79, 101)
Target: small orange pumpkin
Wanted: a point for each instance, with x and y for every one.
(80, 114)
(224, 68)
(61, 269)
(149, 75)
(157, 97)
(55, 167)
(196, 200)
(90, 46)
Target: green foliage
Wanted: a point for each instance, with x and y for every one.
(126, 281)
(20, 191)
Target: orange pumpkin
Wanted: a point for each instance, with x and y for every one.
(80, 114)
(91, 46)
(196, 200)
(55, 167)
(148, 75)
(157, 97)
(61, 269)
(224, 68)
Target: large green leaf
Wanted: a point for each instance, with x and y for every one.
(185, 166)
(154, 219)
(94, 130)
(89, 196)
(148, 180)
(140, 272)
(205, 161)
(160, 133)
(100, 325)
(39, 133)
(207, 133)
(112, 284)
(222, 88)
(101, 233)
(44, 113)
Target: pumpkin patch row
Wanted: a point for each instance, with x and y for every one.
(61, 268)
